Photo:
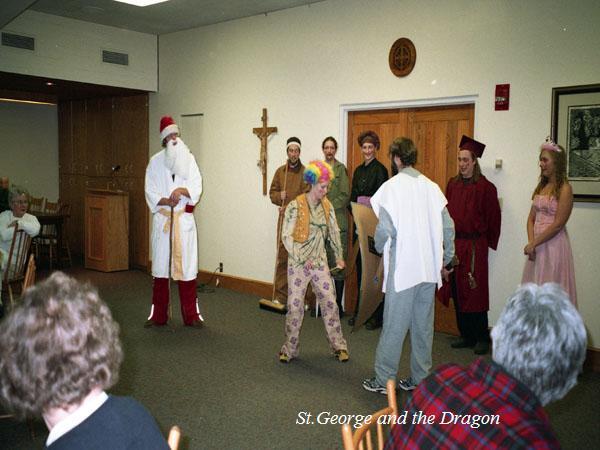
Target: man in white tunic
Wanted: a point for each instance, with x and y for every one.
(415, 233)
(173, 187)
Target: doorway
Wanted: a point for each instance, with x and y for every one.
(436, 132)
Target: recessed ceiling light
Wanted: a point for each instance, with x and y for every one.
(141, 2)
(49, 83)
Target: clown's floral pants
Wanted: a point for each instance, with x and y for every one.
(322, 284)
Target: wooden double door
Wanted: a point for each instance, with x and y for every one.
(436, 132)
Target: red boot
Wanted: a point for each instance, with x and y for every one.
(160, 302)
(189, 303)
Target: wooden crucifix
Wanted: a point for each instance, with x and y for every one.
(263, 134)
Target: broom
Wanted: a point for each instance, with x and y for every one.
(264, 303)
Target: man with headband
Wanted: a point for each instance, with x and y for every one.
(173, 187)
(287, 184)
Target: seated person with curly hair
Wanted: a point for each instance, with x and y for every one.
(59, 352)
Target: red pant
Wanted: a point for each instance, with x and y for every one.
(187, 298)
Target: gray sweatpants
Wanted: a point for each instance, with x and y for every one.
(411, 309)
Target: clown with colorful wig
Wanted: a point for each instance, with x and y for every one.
(309, 223)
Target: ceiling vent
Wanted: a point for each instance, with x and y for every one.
(115, 58)
(18, 41)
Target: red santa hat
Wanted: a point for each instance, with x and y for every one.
(167, 127)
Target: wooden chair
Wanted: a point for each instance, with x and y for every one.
(36, 204)
(14, 270)
(29, 279)
(362, 438)
(48, 237)
(174, 437)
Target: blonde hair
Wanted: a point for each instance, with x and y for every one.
(559, 157)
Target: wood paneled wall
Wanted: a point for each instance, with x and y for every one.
(95, 135)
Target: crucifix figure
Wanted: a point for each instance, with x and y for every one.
(263, 134)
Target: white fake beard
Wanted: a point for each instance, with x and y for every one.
(177, 158)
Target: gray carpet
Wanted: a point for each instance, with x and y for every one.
(225, 388)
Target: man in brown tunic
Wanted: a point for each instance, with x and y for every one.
(287, 184)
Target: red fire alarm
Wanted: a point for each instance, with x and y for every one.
(502, 97)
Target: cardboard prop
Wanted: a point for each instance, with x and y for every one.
(372, 263)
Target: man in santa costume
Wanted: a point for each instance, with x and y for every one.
(173, 187)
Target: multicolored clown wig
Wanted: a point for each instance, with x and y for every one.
(318, 172)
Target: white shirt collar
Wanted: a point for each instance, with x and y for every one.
(87, 408)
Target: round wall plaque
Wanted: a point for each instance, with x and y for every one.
(403, 56)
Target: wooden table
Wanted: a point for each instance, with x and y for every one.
(56, 219)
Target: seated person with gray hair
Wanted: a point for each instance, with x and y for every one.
(59, 352)
(539, 346)
(16, 216)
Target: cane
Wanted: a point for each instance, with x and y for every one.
(279, 230)
(170, 262)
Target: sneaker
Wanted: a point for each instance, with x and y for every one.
(151, 324)
(371, 385)
(342, 355)
(407, 384)
(283, 358)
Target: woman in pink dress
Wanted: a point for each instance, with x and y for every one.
(549, 256)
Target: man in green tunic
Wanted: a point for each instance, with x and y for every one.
(339, 196)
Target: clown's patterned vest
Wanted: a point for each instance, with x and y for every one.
(302, 222)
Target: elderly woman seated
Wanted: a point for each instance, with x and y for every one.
(17, 216)
(59, 351)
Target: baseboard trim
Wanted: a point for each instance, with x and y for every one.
(238, 284)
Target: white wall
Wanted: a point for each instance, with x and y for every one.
(70, 49)
(304, 63)
(30, 147)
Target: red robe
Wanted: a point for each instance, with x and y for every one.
(475, 209)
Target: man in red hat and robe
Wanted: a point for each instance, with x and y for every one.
(173, 187)
(474, 207)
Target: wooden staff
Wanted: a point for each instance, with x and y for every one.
(170, 262)
(279, 229)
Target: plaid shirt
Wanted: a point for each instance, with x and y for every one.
(480, 390)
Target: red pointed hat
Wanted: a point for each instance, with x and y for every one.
(167, 127)
(466, 143)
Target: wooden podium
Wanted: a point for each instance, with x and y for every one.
(106, 230)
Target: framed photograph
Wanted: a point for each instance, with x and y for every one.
(576, 127)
